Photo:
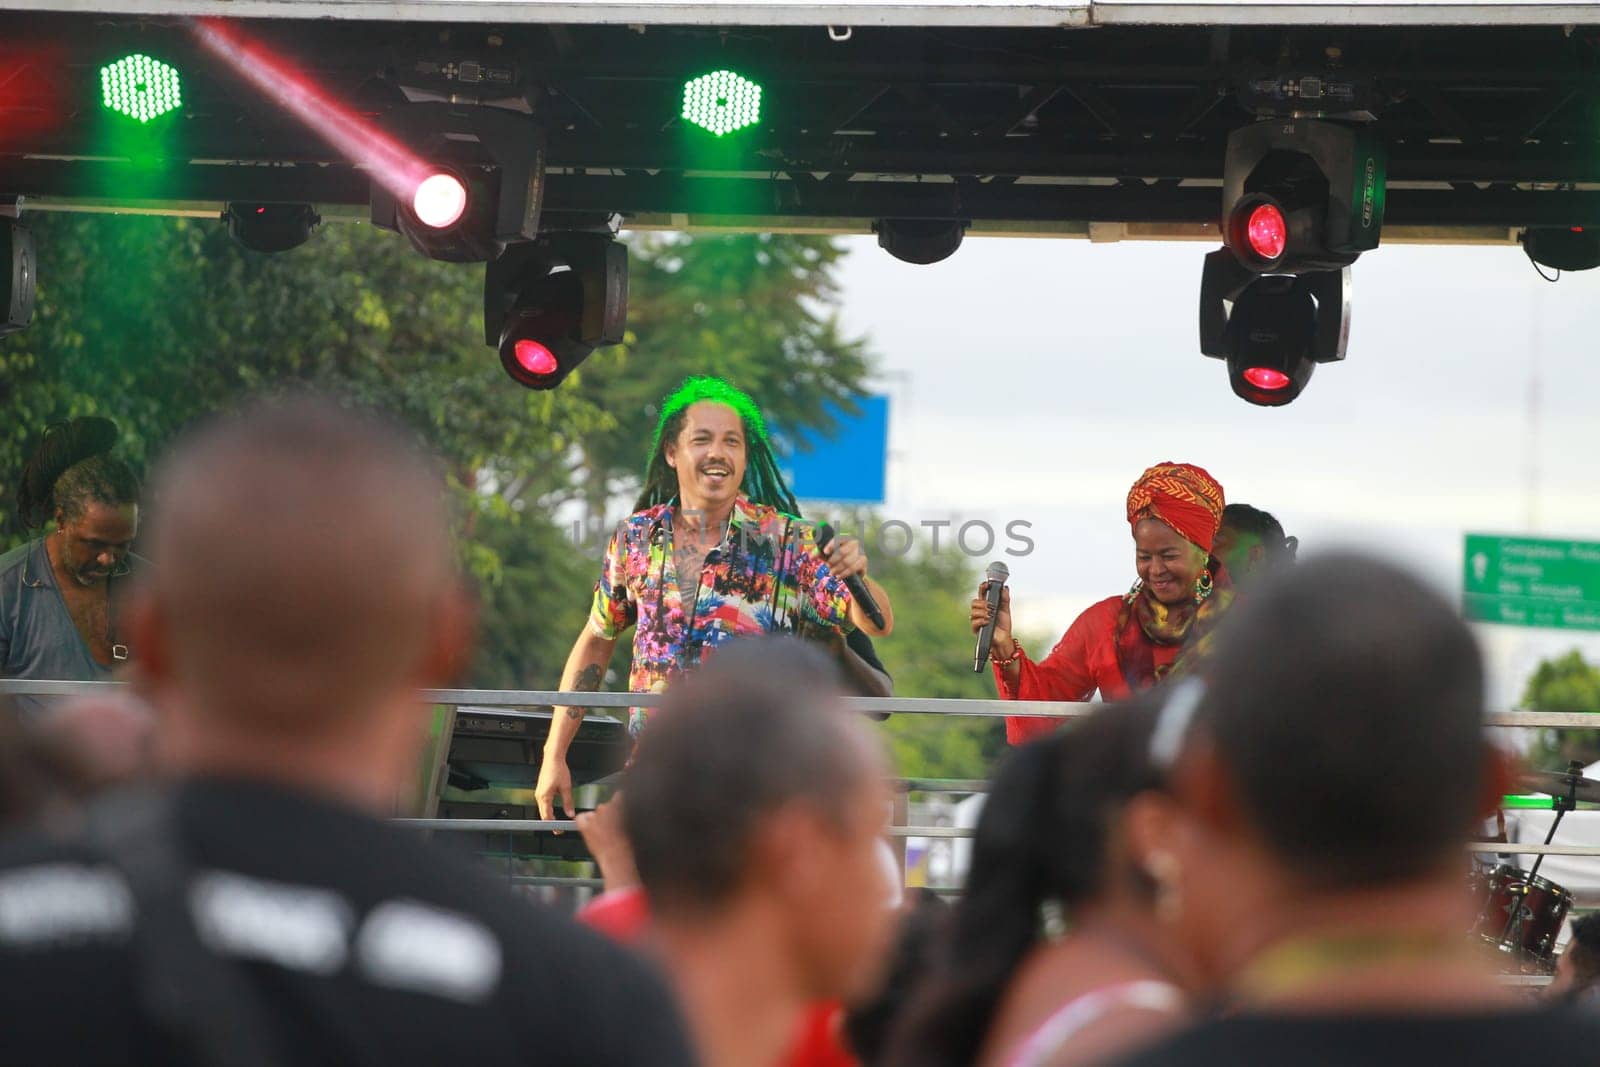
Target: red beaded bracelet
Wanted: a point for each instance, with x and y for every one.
(1016, 654)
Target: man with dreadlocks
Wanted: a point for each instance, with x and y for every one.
(56, 615)
(713, 551)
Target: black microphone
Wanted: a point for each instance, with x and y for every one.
(858, 588)
(995, 579)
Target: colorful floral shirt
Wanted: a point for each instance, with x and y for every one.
(767, 576)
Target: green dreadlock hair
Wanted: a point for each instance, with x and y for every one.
(763, 482)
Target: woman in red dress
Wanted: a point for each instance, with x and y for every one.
(1126, 644)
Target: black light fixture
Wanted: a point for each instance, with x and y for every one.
(17, 283)
(1272, 329)
(270, 227)
(480, 189)
(920, 241)
(548, 304)
(1302, 195)
(1562, 247)
(450, 214)
(1302, 198)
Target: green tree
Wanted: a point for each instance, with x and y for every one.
(157, 321)
(1567, 683)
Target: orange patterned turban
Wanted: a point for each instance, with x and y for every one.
(1181, 495)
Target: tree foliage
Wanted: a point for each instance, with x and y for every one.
(1567, 683)
(155, 322)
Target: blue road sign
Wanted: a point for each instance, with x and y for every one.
(849, 466)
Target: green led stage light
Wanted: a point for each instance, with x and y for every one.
(140, 87)
(722, 102)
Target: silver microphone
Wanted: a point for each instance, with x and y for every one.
(995, 579)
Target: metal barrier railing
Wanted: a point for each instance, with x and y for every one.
(534, 826)
(512, 699)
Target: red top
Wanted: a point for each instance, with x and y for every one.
(1084, 661)
(820, 1042)
(624, 916)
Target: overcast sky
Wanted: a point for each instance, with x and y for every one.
(1035, 379)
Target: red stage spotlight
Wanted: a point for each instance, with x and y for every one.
(1303, 196)
(534, 357)
(1266, 231)
(480, 189)
(550, 303)
(440, 200)
(1267, 378)
(544, 322)
(1272, 329)
(1258, 232)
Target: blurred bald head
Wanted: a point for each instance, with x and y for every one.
(302, 564)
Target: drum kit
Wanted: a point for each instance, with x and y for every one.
(1521, 913)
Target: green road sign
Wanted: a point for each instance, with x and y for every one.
(1526, 581)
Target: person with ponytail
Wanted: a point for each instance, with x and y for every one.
(1251, 543)
(57, 611)
(1058, 954)
(715, 550)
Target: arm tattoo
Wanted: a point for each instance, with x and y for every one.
(588, 681)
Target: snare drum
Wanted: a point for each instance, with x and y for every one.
(1522, 916)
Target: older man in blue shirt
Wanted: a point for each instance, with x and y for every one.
(57, 617)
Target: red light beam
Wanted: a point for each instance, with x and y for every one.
(31, 96)
(390, 163)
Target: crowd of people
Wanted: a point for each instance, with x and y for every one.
(1240, 857)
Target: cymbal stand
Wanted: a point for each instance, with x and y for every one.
(1560, 804)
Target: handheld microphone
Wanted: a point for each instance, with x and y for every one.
(858, 588)
(995, 578)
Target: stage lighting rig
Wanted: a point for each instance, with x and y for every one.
(548, 304)
(140, 87)
(1562, 247)
(17, 282)
(721, 102)
(920, 241)
(1302, 195)
(1272, 329)
(270, 227)
(481, 188)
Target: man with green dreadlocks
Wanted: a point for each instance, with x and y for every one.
(714, 550)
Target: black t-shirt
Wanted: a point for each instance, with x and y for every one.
(1547, 1036)
(861, 645)
(359, 943)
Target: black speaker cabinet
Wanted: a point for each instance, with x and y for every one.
(503, 747)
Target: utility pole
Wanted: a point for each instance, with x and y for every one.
(1534, 413)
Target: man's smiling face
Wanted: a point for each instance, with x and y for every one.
(709, 455)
